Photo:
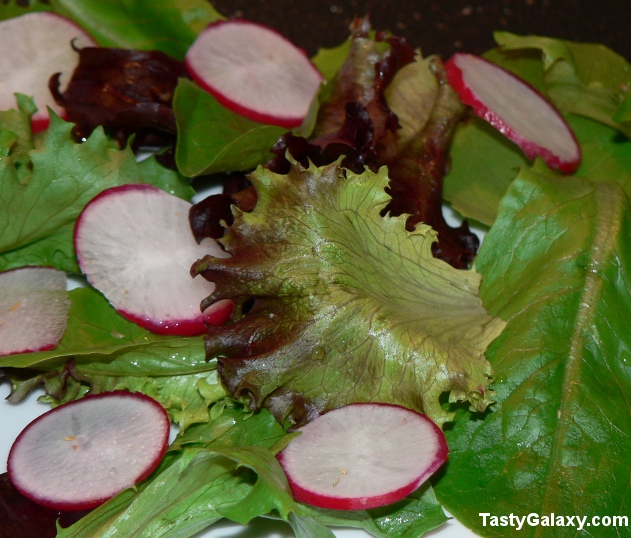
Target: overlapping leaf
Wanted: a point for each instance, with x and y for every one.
(348, 305)
(558, 440)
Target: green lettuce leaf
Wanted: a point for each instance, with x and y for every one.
(225, 468)
(411, 517)
(584, 81)
(485, 163)
(96, 330)
(15, 8)
(557, 439)
(45, 184)
(411, 96)
(348, 305)
(170, 26)
(101, 351)
(580, 78)
(213, 139)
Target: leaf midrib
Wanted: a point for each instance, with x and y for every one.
(608, 204)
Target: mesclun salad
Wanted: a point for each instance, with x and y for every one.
(328, 277)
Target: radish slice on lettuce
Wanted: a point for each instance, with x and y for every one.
(362, 456)
(254, 71)
(516, 109)
(35, 47)
(34, 309)
(80, 454)
(135, 245)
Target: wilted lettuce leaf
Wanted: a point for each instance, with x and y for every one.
(45, 186)
(169, 25)
(126, 91)
(557, 438)
(347, 306)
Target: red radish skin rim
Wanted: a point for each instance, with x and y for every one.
(41, 119)
(532, 150)
(216, 314)
(288, 122)
(94, 502)
(308, 496)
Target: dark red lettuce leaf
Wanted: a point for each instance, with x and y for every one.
(22, 518)
(357, 125)
(416, 174)
(125, 91)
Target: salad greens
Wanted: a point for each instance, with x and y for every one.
(558, 439)
(552, 275)
(406, 328)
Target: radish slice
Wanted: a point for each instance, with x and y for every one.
(254, 71)
(35, 47)
(362, 456)
(80, 454)
(516, 109)
(34, 308)
(135, 245)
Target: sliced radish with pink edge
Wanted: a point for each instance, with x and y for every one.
(362, 456)
(34, 307)
(254, 71)
(80, 454)
(35, 47)
(135, 245)
(516, 109)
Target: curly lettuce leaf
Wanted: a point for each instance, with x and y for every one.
(45, 184)
(557, 439)
(169, 25)
(348, 306)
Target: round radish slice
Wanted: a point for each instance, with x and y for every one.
(516, 109)
(36, 46)
(362, 456)
(80, 454)
(254, 71)
(135, 245)
(34, 308)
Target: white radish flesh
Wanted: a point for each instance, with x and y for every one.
(34, 309)
(36, 46)
(255, 72)
(516, 109)
(80, 454)
(362, 456)
(134, 243)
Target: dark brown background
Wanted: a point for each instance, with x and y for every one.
(442, 27)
